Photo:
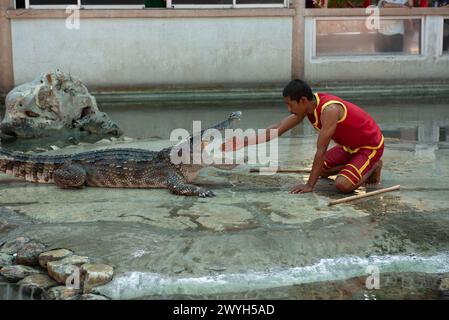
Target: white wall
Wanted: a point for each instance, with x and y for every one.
(431, 65)
(118, 53)
(151, 52)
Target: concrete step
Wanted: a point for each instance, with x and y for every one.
(438, 92)
(434, 91)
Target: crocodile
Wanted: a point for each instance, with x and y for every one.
(118, 168)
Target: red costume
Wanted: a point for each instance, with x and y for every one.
(360, 141)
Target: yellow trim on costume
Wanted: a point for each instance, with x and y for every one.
(356, 170)
(315, 124)
(317, 98)
(343, 175)
(368, 161)
(357, 178)
(349, 150)
(336, 102)
(315, 113)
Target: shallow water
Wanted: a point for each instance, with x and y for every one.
(255, 240)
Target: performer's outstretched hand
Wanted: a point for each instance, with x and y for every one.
(301, 188)
(232, 145)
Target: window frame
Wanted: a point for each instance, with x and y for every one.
(442, 53)
(346, 57)
(113, 6)
(50, 6)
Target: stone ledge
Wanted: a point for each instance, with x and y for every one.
(371, 92)
(368, 92)
(151, 13)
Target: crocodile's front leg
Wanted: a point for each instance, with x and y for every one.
(69, 176)
(177, 185)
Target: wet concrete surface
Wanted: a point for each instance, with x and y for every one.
(254, 239)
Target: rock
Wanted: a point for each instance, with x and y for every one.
(216, 268)
(18, 272)
(6, 260)
(53, 255)
(60, 270)
(444, 284)
(54, 104)
(95, 275)
(103, 141)
(29, 254)
(13, 246)
(91, 296)
(179, 269)
(5, 227)
(37, 281)
(62, 293)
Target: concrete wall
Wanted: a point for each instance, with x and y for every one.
(431, 65)
(152, 52)
(136, 49)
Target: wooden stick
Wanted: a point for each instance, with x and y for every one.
(360, 196)
(252, 170)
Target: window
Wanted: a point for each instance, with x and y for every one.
(92, 4)
(260, 3)
(54, 4)
(446, 36)
(226, 3)
(350, 36)
(201, 3)
(19, 4)
(45, 4)
(122, 4)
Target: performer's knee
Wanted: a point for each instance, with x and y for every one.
(343, 185)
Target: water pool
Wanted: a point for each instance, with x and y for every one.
(255, 240)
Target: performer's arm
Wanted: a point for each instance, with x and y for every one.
(329, 120)
(281, 127)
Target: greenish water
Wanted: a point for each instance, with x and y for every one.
(255, 240)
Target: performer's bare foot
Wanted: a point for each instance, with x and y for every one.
(374, 178)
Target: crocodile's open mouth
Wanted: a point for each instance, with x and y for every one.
(235, 115)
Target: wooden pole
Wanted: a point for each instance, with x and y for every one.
(6, 67)
(298, 39)
(360, 196)
(257, 170)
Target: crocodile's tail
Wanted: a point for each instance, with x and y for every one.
(33, 168)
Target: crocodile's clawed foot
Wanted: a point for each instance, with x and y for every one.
(206, 193)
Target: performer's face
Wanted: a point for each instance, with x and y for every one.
(295, 107)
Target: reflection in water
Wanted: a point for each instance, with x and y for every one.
(157, 120)
(406, 123)
(403, 122)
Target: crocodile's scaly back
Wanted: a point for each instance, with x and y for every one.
(33, 168)
(40, 168)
